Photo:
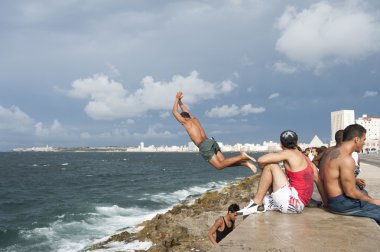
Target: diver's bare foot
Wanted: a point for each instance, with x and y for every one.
(251, 166)
(248, 156)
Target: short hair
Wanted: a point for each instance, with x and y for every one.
(339, 137)
(289, 139)
(185, 115)
(321, 149)
(352, 131)
(233, 208)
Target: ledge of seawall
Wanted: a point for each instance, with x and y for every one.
(313, 230)
(185, 227)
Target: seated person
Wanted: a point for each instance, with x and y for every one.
(293, 189)
(337, 173)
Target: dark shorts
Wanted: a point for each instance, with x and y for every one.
(347, 206)
(208, 148)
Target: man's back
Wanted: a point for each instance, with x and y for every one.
(337, 172)
(335, 161)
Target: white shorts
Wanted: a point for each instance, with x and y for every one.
(284, 200)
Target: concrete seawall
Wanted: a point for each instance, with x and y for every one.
(313, 230)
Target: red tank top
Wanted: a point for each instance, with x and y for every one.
(302, 181)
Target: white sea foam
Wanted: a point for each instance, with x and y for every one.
(94, 227)
(121, 246)
(187, 194)
(67, 235)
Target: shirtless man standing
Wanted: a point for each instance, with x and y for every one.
(337, 173)
(208, 147)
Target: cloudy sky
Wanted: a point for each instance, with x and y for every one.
(105, 72)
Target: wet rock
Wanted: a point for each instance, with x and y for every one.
(185, 227)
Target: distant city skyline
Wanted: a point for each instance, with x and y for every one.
(189, 147)
(339, 120)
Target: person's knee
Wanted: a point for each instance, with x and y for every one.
(271, 167)
(216, 163)
(218, 166)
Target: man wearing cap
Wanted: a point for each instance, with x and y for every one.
(291, 190)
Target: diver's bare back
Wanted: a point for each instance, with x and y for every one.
(195, 131)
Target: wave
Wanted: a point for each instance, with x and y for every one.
(75, 231)
(66, 234)
(186, 195)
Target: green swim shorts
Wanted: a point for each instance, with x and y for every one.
(208, 148)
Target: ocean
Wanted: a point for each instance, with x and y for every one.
(67, 201)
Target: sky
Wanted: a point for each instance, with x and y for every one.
(79, 73)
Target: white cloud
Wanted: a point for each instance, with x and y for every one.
(325, 35)
(154, 132)
(248, 109)
(370, 93)
(233, 110)
(113, 71)
(274, 95)
(236, 75)
(54, 129)
(165, 114)
(109, 99)
(246, 61)
(14, 120)
(283, 67)
(85, 135)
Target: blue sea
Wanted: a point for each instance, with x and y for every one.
(66, 201)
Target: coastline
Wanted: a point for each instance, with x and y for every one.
(185, 226)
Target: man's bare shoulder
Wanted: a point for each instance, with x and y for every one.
(333, 154)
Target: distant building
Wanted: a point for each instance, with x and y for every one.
(192, 146)
(340, 120)
(372, 125)
(316, 142)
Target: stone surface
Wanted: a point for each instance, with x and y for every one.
(313, 230)
(185, 227)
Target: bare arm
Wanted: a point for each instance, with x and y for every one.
(348, 182)
(317, 159)
(360, 182)
(272, 158)
(175, 112)
(183, 107)
(213, 229)
(319, 184)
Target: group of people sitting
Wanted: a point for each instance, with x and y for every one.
(291, 189)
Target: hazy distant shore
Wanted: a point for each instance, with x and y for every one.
(114, 149)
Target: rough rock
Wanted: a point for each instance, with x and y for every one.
(185, 227)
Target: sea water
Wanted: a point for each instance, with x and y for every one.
(67, 201)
